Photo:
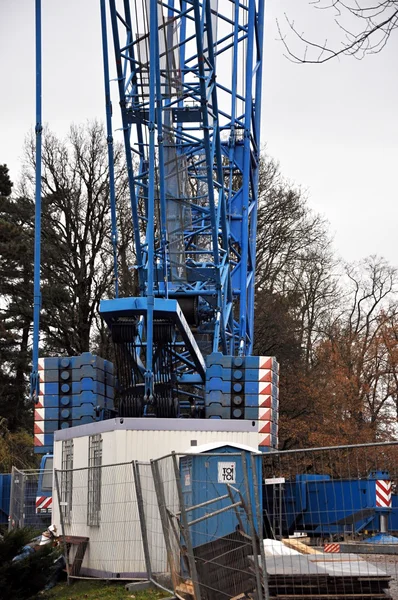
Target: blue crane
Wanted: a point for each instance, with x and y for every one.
(189, 84)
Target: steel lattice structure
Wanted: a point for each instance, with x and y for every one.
(189, 81)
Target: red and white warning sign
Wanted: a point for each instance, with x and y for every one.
(383, 493)
(44, 504)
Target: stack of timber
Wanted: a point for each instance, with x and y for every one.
(324, 576)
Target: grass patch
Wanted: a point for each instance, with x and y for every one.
(98, 590)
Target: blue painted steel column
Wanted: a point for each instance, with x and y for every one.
(257, 134)
(222, 209)
(34, 380)
(243, 308)
(153, 45)
(126, 135)
(162, 195)
(109, 138)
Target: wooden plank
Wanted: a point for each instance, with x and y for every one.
(295, 544)
(73, 539)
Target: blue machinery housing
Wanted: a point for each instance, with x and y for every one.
(323, 507)
(189, 83)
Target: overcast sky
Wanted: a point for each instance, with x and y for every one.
(332, 127)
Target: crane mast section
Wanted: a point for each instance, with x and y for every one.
(189, 83)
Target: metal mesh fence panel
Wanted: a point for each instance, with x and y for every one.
(104, 518)
(151, 526)
(331, 521)
(29, 507)
(210, 523)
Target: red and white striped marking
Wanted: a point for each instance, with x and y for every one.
(268, 376)
(38, 439)
(266, 427)
(38, 427)
(40, 414)
(383, 493)
(43, 504)
(333, 548)
(264, 388)
(268, 362)
(267, 414)
(265, 440)
(267, 401)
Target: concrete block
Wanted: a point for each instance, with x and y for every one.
(217, 410)
(216, 358)
(218, 384)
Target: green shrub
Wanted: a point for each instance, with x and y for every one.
(22, 579)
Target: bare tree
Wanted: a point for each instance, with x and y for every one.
(359, 356)
(286, 228)
(77, 265)
(366, 27)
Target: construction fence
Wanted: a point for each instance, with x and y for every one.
(316, 523)
(28, 506)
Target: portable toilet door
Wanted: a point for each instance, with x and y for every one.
(212, 483)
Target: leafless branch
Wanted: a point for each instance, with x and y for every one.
(377, 22)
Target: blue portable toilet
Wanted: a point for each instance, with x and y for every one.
(205, 477)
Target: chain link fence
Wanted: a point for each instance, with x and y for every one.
(154, 546)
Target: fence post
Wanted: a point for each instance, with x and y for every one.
(252, 528)
(12, 500)
(260, 523)
(61, 517)
(141, 513)
(185, 529)
(164, 520)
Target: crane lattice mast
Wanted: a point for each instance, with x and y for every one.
(189, 82)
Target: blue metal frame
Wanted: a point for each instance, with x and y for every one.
(108, 109)
(196, 135)
(34, 379)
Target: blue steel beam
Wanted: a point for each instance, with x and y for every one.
(34, 379)
(109, 139)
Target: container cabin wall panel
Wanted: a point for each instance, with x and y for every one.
(145, 445)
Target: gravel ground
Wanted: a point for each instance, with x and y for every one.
(389, 564)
